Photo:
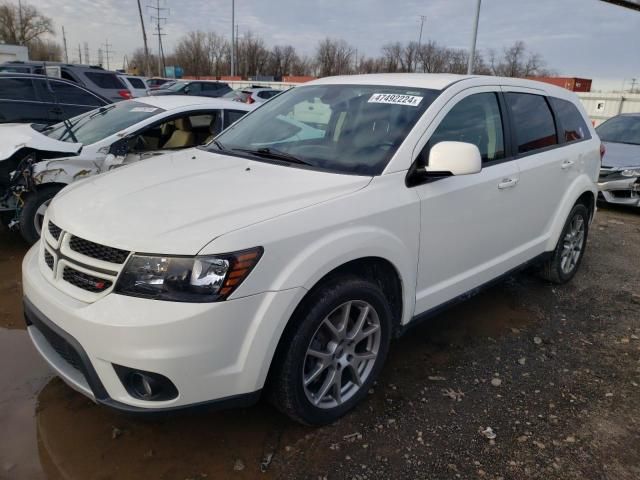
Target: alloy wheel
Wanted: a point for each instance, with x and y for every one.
(572, 245)
(342, 354)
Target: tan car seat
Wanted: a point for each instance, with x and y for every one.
(183, 136)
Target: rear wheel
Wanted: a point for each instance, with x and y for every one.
(567, 256)
(334, 351)
(33, 210)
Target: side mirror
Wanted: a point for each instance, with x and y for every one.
(454, 158)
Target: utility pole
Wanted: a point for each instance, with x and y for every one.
(633, 84)
(64, 41)
(21, 29)
(87, 59)
(422, 20)
(474, 38)
(79, 55)
(147, 65)
(160, 20)
(107, 52)
(233, 39)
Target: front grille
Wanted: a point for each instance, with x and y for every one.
(48, 259)
(61, 346)
(85, 281)
(97, 251)
(54, 230)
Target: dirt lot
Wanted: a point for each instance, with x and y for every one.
(554, 372)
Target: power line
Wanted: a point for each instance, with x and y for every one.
(160, 21)
(107, 53)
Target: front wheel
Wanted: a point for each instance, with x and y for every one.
(33, 210)
(567, 256)
(333, 352)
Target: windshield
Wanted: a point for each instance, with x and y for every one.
(620, 130)
(175, 86)
(98, 124)
(343, 128)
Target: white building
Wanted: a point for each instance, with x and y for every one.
(13, 52)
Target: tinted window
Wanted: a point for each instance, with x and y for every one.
(268, 94)
(17, 89)
(533, 121)
(15, 69)
(234, 116)
(210, 87)
(195, 88)
(67, 93)
(573, 125)
(136, 82)
(105, 80)
(475, 119)
(621, 129)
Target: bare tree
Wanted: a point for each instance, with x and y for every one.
(193, 54)
(218, 51)
(392, 54)
(281, 60)
(45, 50)
(22, 26)
(334, 57)
(252, 55)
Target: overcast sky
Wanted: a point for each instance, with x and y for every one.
(586, 38)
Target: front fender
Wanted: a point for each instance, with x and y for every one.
(64, 170)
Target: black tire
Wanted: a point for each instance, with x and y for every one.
(32, 202)
(551, 270)
(286, 388)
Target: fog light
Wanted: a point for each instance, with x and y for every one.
(146, 385)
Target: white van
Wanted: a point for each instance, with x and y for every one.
(282, 262)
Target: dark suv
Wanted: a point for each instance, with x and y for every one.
(201, 88)
(103, 82)
(26, 98)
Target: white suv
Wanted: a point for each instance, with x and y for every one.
(275, 261)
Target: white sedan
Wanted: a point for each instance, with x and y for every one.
(36, 163)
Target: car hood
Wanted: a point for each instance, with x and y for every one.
(14, 136)
(621, 155)
(177, 203)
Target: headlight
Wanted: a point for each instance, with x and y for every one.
(186, 279)
(631, 172)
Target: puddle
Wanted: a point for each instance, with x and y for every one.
(12, 249)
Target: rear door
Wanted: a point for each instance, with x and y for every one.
(67, 100)
(19, 102)
(468, 236)
(545, 169)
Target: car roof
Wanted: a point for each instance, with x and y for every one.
(171, 102)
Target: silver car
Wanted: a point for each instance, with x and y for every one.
(619, 180)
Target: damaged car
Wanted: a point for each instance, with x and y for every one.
(619, 181)
(37, 162)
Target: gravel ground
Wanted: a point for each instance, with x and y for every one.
(525, 380)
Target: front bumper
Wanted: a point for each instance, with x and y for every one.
(620, 190)
(213, 352)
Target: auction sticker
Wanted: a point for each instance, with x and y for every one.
(395, 99)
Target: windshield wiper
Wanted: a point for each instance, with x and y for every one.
(219, 145)
(267, 152)
(102, 110)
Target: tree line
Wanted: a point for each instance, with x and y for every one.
(209, 54)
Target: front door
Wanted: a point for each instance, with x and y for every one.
(467, 224)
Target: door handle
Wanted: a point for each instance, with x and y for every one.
(567, 164)
(507, 183)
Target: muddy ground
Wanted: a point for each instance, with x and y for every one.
(553, 371)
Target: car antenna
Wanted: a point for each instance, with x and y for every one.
(65, 120)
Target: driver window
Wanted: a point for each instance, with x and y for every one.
(475, 119)
(181, 132)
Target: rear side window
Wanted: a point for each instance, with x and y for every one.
(532, 120)
(573, 126)
(475, 119)
(70, 94)
(136, 82)
(17, 89)
(105, 80)
(268, 94)
(233, 116)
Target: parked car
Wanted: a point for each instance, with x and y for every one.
(266, 261)
(157, 82)
(39, 99)
(252, 95)
(619, 181)
(202, 88)
(136, 85)
(100, 81)
(35, 164)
